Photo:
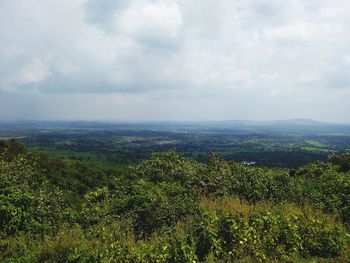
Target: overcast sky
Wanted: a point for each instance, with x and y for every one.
(175, 59)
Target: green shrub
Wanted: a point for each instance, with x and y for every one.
(28, 203)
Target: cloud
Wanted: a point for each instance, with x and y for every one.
(180, 53)
(101, 13)
(154, 24)
(33, 73)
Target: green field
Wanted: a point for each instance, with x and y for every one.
(91, 158)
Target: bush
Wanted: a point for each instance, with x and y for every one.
(28, 203)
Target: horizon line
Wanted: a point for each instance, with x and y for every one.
(174, 121)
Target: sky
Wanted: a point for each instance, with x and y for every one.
(175, 60)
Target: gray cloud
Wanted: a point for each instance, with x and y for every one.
(206, 59)
(102, 13)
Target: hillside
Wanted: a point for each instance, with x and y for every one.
(171, 209)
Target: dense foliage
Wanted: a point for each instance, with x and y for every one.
(171, 209)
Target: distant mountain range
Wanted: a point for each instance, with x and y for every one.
(305, 122)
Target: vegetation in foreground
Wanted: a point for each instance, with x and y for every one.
(171, 209)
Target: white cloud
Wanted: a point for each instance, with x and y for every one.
(181, 52)
(152, 23)
(32, 73)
